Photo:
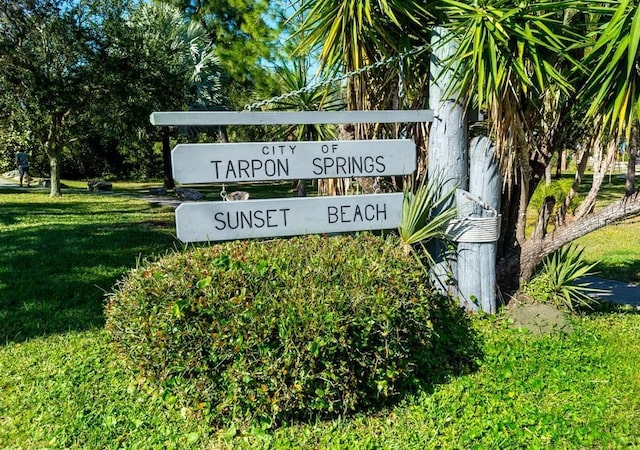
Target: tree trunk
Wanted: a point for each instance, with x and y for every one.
(223, 137)
(582, 157)
(54, 164)
(561, 167)
(53, 148)
(540, 230)
(630, 184)
(600, 166)
(301, 188)
(534, 250)
(547, 175)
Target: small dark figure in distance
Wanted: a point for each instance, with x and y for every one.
(22, 160)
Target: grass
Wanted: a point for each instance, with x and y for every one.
(616, 249)
(62, 387)
(60, 256)
(211, 192)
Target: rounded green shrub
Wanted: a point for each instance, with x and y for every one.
(281, 329)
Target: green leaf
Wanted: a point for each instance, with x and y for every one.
(204, 283)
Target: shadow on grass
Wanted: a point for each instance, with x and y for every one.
(606, 307)
(627, 270)
(260, 190)
(457, 347)
(59, 258)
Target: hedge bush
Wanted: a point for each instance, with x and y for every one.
(282, 329)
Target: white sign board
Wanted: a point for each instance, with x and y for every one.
(263, 161)
(217, 221)
(213, 118)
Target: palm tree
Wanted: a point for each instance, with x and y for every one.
(192, 65)
(614, 85)
(513, 64)
(542, 71)
(352, 36)
(534, 69)
(319, 96)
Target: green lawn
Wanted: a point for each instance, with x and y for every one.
(60, 256)
(61, 385)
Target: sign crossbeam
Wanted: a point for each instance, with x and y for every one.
(217, 118)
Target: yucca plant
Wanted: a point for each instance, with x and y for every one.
(613, 88)
(558, 279)
(425, 215)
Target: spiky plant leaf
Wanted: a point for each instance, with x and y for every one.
(562, 272)
(424, 215)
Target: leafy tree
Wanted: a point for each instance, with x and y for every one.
(518, 74)
(246, 36)
(83, 76)
(175, 67)
(536, 75)
(43, 58)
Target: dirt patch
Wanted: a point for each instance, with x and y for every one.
(538, 318)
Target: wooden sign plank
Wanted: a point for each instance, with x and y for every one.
(212, 118)
(264, 161)
(217, 221)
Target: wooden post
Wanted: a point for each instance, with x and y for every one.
(166, 160)
(477, 260)
(447, 143)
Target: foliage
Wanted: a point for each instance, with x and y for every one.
(424, 216)
(294, 77)
(84, 99)
(44, 72)
(556, 189)
(282, 329)
(63, 386)
(613, 89)
(351, 35)
(352, 32)
(558, 279)
(555, 391)
(517, 55)
(246, 37)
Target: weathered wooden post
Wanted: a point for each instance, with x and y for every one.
(447, 142)
(479, 228)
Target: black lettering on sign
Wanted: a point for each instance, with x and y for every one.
(348, 165)
(342, 165)
(278, 149)
(317, 166)
(215, 164)
(380, 167)
(357, 213)
(243, 169)
(251, 219)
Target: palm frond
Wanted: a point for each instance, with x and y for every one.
(424, 215)
(613, 85)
